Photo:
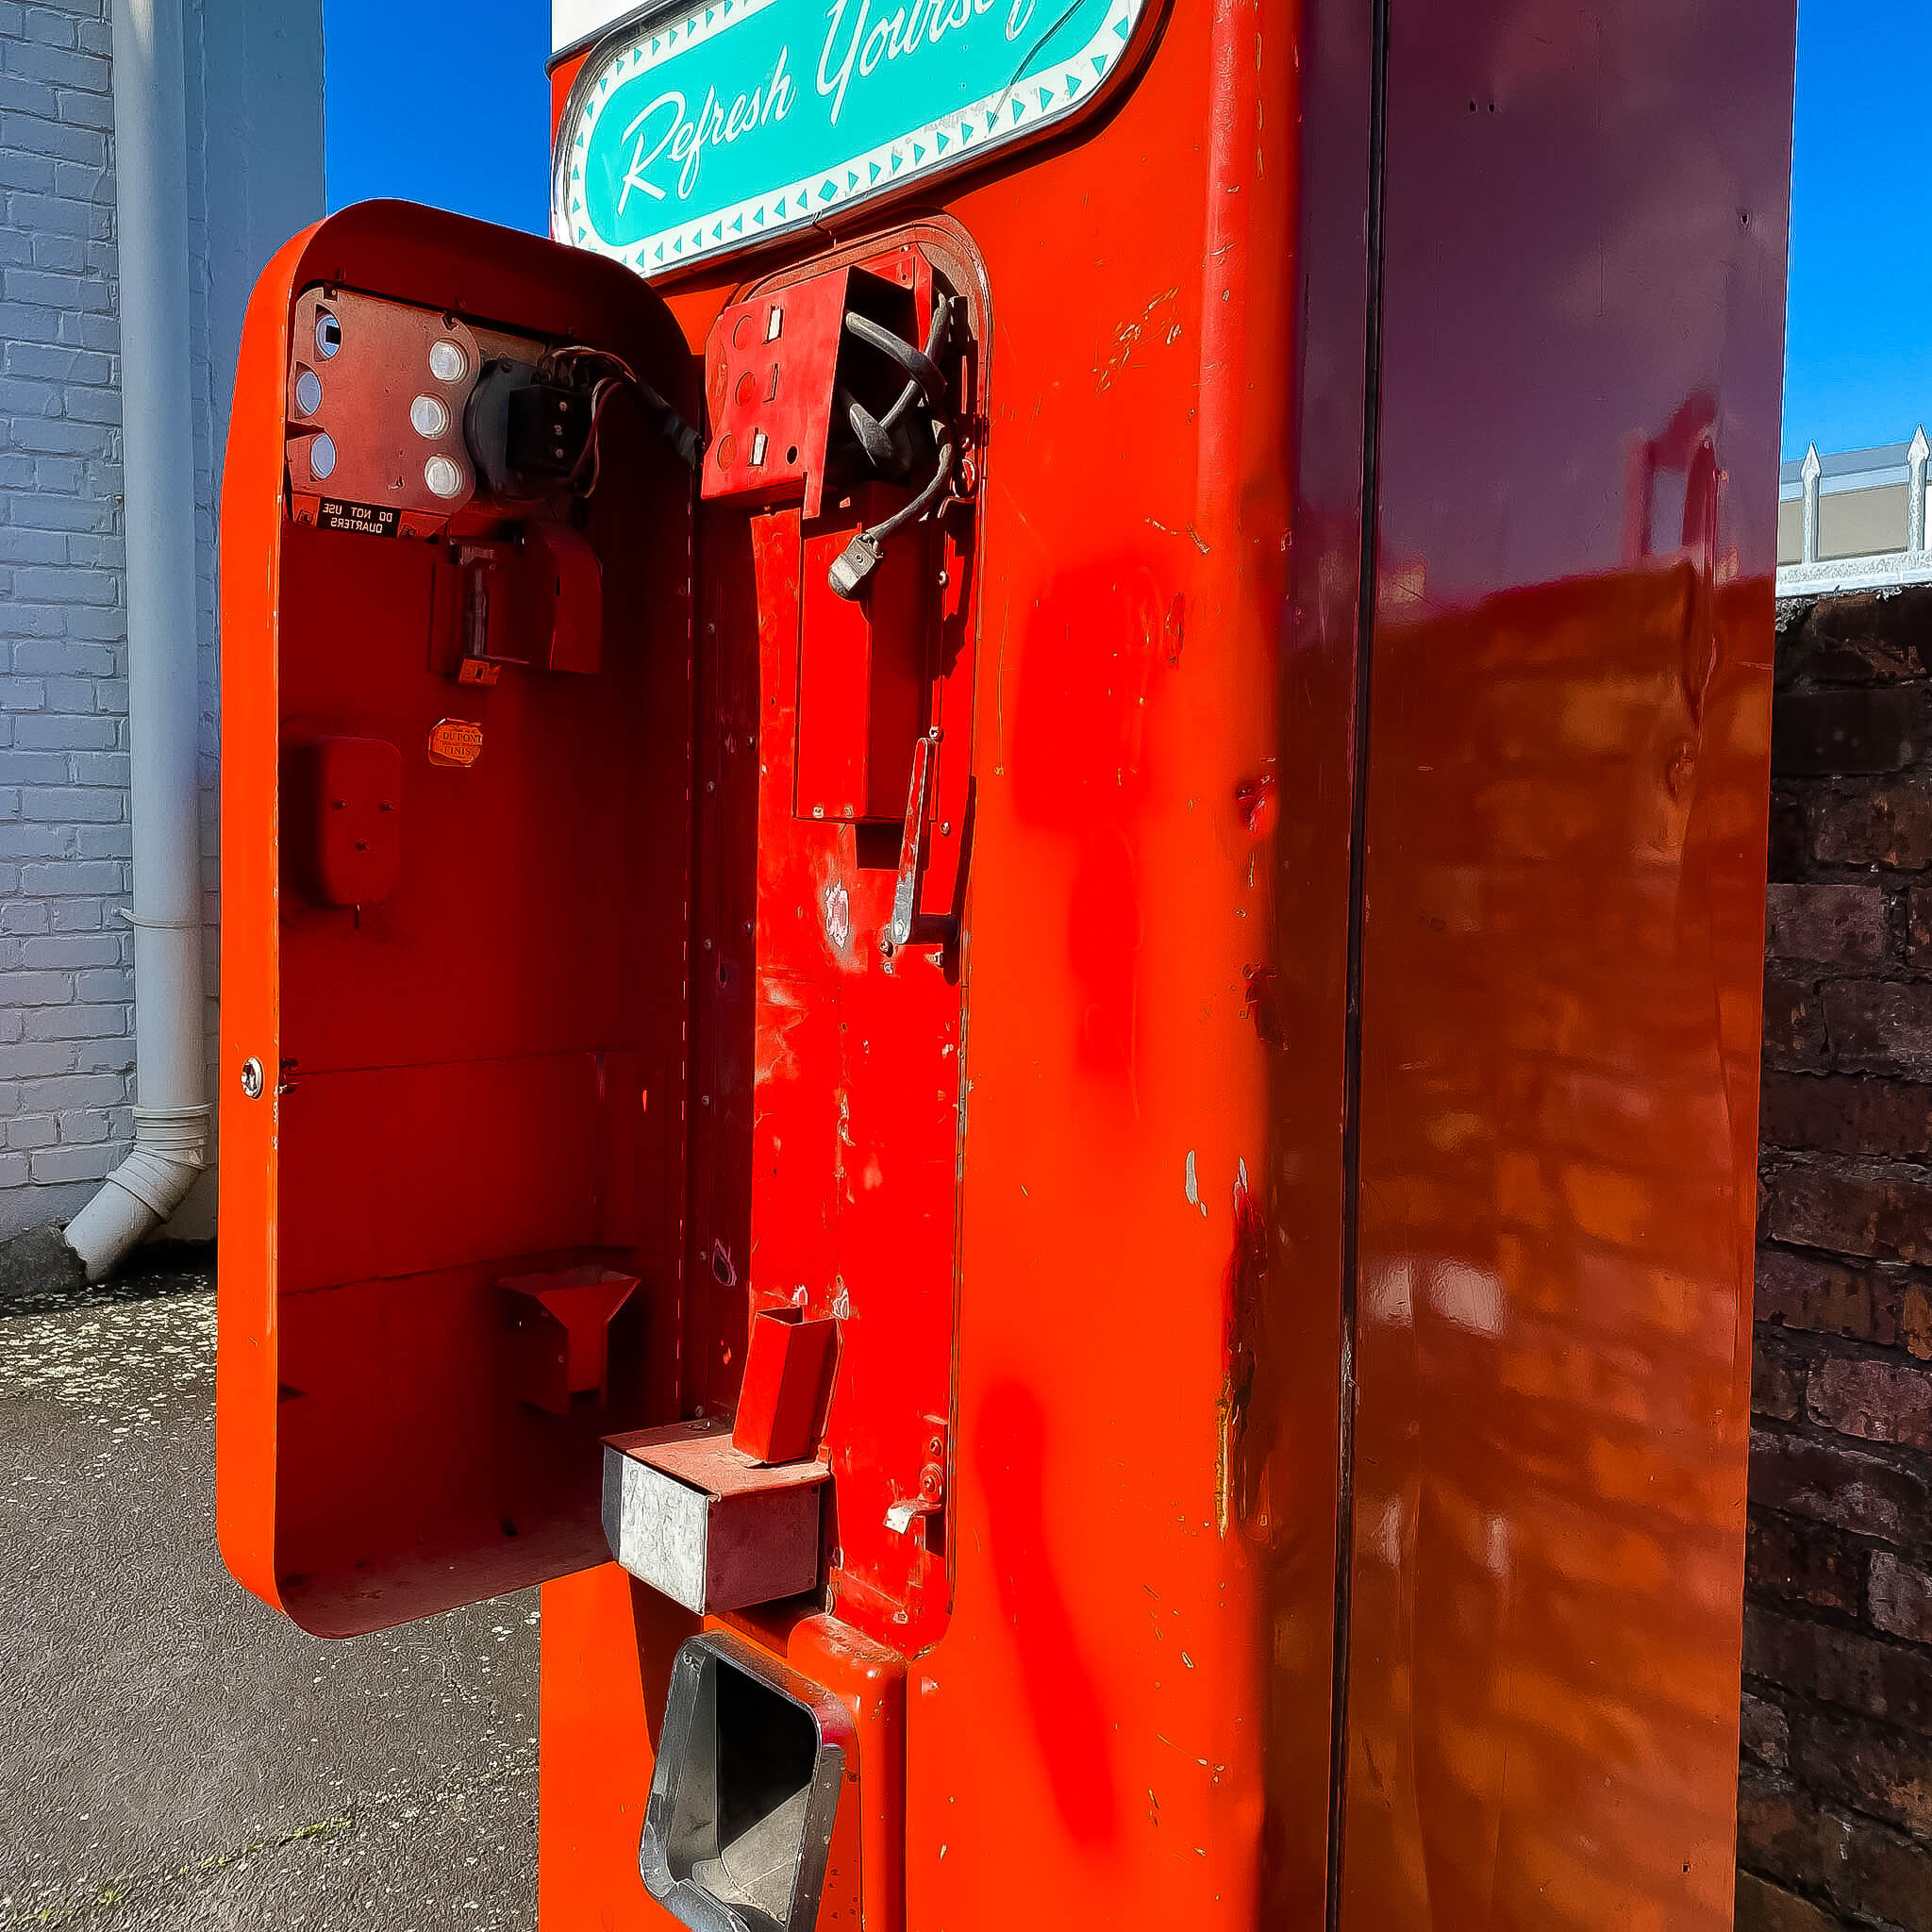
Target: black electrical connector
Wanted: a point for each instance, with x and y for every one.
(548, 431)
(532, 426)
(525, 435)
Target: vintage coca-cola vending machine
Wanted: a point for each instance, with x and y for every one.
(992, 886)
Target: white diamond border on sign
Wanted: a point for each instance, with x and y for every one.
(1046, 95)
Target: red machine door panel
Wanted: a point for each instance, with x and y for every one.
(456, 552)
(833, 949)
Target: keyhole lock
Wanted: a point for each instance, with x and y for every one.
(251, 1079)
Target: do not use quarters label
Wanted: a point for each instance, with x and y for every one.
(370, 519)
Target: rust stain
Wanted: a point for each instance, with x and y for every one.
(1262, 1003)
(1237, 1468)
(1258, 801)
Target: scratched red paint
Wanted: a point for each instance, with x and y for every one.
(1117, 1704)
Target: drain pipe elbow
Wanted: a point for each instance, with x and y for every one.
(141, 1194)
(171, 1120)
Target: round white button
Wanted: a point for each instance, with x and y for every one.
(429, 415)
(444, 478)
(447, 361)
(322, 455)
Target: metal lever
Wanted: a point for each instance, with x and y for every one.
(912, 844)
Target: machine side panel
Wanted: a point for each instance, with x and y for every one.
(1562, 927)
(1085, 1742)
(1290, 1319)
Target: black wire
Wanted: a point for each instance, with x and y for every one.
(671, 425)
(923, 378)
(924, 501)
(917, 363)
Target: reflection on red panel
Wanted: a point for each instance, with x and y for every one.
(1562, 920)
(1149, 1370)
(1559, 1117)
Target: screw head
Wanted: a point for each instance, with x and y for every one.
(251, 1080)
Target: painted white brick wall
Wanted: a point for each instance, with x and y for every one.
(66, 981)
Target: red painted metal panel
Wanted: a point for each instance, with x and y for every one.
(1291, 1252)
(1156, 1380)
(854, 1131)
(788, 1382)
(608, 1645)
(1562, 957)
(863, 680)
(480, 1075)
(345, 799)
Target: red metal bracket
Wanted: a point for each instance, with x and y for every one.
(560, 1333)
(788, 1386)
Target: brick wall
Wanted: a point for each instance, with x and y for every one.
(254, 100)
(1834, 1824)
(66, 990)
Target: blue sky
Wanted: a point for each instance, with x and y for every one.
(1859, 362)
(442, 101)
(453, 108)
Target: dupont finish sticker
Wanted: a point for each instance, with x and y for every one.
(456, 742)
(743, 118)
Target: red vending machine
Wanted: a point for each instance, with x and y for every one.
(993, 884)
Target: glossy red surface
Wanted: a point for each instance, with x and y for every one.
(1346, 1091)
(1446, 1303)
(478, 1073)
(848, 1051)
(609, 1642)
(1563, 918)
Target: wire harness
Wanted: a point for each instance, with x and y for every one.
(564, 366)
(884, 441)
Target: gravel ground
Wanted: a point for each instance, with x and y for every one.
(172, 1753)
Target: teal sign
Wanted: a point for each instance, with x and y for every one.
(702, 132)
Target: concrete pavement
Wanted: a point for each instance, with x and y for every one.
(171, 1754)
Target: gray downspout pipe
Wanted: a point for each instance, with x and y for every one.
(170, 1116)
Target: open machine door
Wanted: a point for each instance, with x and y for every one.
(457, 834)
